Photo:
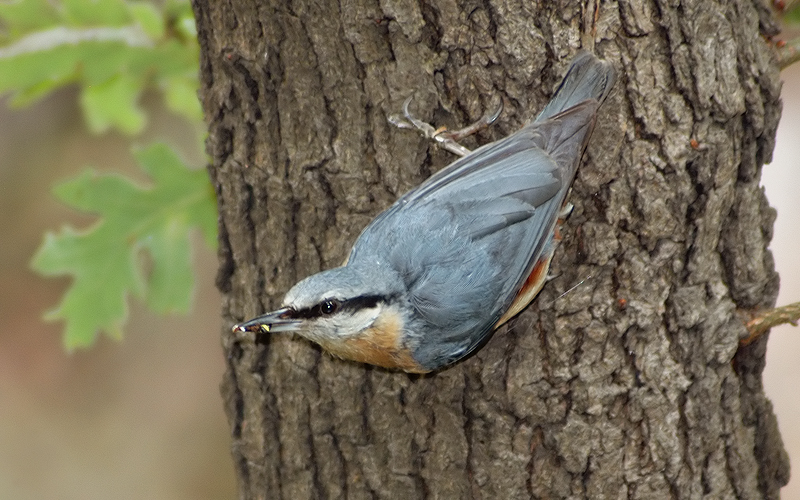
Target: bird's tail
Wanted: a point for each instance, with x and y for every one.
(587, 78)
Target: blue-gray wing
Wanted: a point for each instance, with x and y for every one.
(505, 197)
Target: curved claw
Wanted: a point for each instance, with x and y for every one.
(448, 140)
(426, 129)
(494, 116)
(406, 112)
(486, 120)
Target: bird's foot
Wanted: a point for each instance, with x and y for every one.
(445, 138)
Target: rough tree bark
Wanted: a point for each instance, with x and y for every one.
(630, 385)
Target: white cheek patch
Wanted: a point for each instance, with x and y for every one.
(347, 325)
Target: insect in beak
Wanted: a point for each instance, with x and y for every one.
(273, 322)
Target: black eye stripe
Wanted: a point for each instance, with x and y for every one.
(330, 306)
(363, 302)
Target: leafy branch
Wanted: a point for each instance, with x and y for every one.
(114, 51)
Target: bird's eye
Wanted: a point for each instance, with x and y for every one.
(329, 306)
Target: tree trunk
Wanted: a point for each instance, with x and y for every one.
(628, 385)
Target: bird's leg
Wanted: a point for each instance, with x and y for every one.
(447, 139)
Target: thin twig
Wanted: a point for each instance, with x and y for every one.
(765, 320)
(59, 36)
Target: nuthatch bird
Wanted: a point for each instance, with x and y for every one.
(430, 278)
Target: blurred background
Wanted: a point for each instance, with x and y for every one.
(781, 180)
(142, 418)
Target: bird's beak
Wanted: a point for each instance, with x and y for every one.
(274, 322)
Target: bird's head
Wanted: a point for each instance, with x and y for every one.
(351, 314)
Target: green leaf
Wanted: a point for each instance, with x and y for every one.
(149, 18)
(19, 17)
(187, 27)
(60, 55)
(171, 278)
(27, 96)
(105, 260)
(114, 103)
(180, 94)
(113, 49)
(95, 12)
(182, 16)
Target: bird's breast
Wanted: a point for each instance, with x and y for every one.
(381, 344)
